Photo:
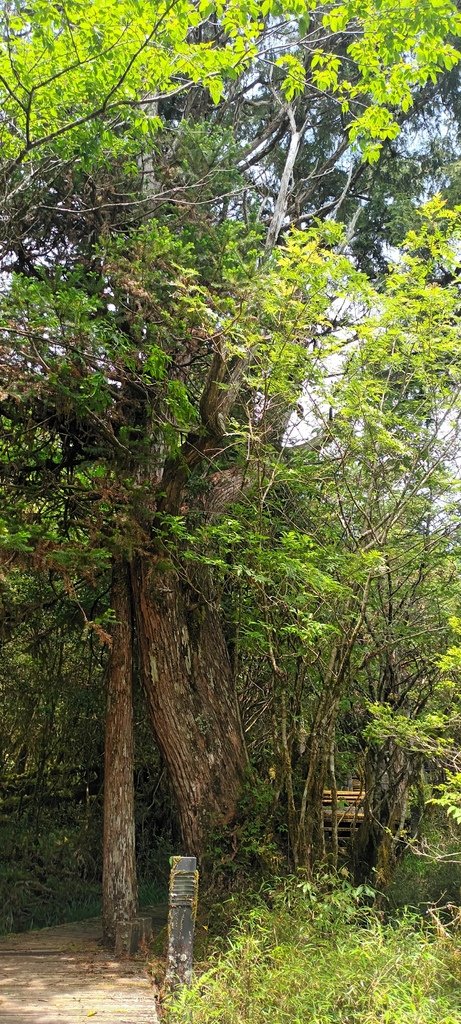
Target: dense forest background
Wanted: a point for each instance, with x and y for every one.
(230, 401)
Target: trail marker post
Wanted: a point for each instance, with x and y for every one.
(182, 909)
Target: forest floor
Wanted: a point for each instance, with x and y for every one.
(62, 975)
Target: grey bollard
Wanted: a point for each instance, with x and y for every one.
(181, 920)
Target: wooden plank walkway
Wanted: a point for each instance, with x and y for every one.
(349, 814)
(62, 976)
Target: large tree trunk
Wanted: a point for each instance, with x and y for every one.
(190, 694)
(119, 863)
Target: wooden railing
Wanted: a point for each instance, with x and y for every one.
(349, 813)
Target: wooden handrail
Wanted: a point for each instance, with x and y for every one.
(349, 810)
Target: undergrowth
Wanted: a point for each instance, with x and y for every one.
(47, 875)
(317, 954)
(54, 876)
(430, 872)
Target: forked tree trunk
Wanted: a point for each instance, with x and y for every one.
(190, 694)
(119, 863)
(311, 848)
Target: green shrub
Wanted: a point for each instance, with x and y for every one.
(434, 878)
(55, 876)
(419, 883)
(315, 954)
(48, 877)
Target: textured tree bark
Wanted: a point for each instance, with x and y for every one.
(311, 832)
(119, 863)
(387, 784)
(190, 694)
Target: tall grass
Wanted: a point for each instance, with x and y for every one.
(314, 954)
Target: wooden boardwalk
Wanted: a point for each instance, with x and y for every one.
(62, 976)
(349, 811)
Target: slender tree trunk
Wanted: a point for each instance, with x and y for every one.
(119, 862)
(190, 694)
(334, 803)
(287, 768)
(311, 829)
(311, 834)
(281, 204)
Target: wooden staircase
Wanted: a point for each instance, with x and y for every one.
(350, 812)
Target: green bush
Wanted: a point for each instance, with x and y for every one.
(434, 878)
(315, 954)
(51, 876)
(419, 883)
(54, 876)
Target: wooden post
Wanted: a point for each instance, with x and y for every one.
(181, 920)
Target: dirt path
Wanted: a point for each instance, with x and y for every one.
(63, 976)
